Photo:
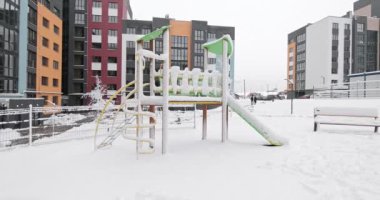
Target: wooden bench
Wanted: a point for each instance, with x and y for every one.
(346, 116)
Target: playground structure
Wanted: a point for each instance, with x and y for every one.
(173, 86)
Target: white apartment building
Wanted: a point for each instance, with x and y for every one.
(328, 52)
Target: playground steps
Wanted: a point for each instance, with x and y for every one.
(115, 134)
(109, 140)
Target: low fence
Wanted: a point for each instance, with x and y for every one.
(359, 89)
(36, 125)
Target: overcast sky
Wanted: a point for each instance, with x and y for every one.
(261, 29)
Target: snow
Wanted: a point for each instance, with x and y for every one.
(338, 162)
(64, 119)
(6, 135)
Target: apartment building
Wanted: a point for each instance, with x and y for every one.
(26, 28)
(366, 22)
(186, 39)
(336, 49)
(49, 55)
(297, 60)
(328, 52)
(92, 38)
(9, 46)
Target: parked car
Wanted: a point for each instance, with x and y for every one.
(307, 96)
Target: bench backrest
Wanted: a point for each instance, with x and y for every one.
(347, 112)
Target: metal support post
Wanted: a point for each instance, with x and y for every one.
(204, 126)
(30, 125)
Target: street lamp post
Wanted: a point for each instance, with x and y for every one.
(324, 80)
(292, 96)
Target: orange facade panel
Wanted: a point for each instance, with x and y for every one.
(291, 66)
(49, 55)
(182, 28)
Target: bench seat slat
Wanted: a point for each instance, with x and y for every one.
(348, 112)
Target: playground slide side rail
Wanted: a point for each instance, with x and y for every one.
(255, 123)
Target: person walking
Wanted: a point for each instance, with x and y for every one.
(252, 100)
(255, 100)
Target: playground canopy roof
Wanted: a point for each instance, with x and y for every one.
(216, 46)
(153, 35)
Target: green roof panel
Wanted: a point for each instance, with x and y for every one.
(216, 46)
(153, 35)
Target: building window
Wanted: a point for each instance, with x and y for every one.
(79, 18)
(199, 35)
(211, 36)
(45, 61)
(179, 42)
(112, 73)
(96, 45)
(112, 19)
(32, 37)
(112, 6)
(347, 26)
(130, 44)
(56, 29)
(80, 4)
(79, 32)
(112, 87)
(55, 82)
(96, 32)
(159, 46)
(360, 28)
(145, 31)
(97, 4)
(79, 46)
(56, 47)
(45, 81)
(96, 18)
(79, 60)
(198, 61)
(55, 64)
(146, 45)
(112, 60)
(179, 51)
(31, 81)
(97, 59)
(335, 26)
(57, 11)
(335, 37)
(45, 42)
(78, 88)
(131, 31)
(212, 61)
(112, 46)
(97, 73)
(32, 15)
(32, 59)
(112, 33)
(301, 38)
(78, 74)
(55, 100)
(45, 99)
(198, 48)
(45, 22)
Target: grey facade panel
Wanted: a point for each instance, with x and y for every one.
(69, 84)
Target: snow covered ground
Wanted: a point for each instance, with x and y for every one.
(338, 162)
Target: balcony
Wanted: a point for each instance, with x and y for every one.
(113, 12)
(97, 11)
(96, 66)
(112, 39)
(96, 38)
(112, 66)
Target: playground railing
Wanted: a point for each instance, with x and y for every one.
(47, 125)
